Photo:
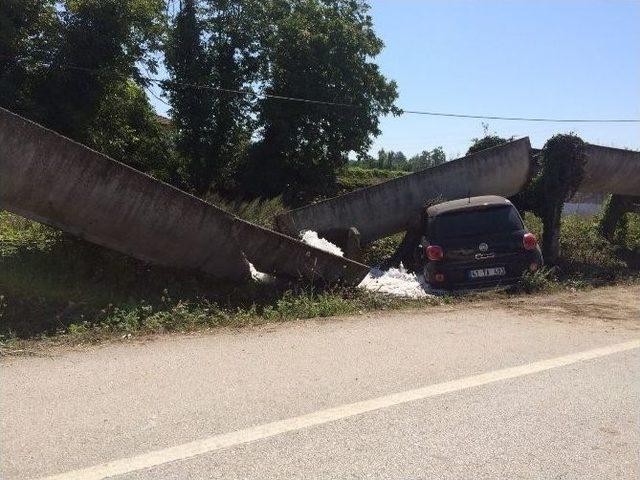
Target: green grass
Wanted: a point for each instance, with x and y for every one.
(377, 252)
(353, 178)
(586, 257)
(258, 211)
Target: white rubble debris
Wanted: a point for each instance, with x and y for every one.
(311, 238)
(259, 276)
(395, 281)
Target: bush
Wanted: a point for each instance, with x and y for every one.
(541, 280)
(353, 177)
(377, 252)
(258, 211)
(561, 168)
(588, 257)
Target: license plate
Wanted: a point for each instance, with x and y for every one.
(487, 272)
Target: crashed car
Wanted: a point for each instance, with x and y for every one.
(477, 242)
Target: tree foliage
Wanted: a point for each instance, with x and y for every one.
(390, 160)
(98, 44)
(561, 170)
(27, 29)
(80, 67)
(126, 127)
(320, 50)
(191, 111)
(488, 141)
(234, 29)
(74, 66)
(427, 159)
(311, 49)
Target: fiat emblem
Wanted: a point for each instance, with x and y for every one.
(483, 247)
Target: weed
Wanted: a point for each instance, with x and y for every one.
(258, 211)
(543, 279)
(588, 258)
(377, 252)
(353, 178)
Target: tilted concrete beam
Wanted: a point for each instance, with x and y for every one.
(611, 170)
(394, 206)
(51, 179)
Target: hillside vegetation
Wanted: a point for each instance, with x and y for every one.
(354, 177)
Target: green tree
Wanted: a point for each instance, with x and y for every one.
(391, 160)
(382, 160)
(212, 54)
(562, 169)
(99, 44)
(488, 141)
(233, 32)
(191, 108)
(127, 129)
(27, 27)
(320, 50)
(427, 159)
(73, 66)
(559, 169)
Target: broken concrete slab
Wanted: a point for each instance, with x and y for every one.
(51, 179)
(611, 170)
(394, 206)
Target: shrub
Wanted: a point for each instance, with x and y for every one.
(354, 177)
(376, 253)
(540, 280)
(561, 171)
(259, 211)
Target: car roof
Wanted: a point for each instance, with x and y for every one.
(469, 203)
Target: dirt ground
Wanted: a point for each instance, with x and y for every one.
(610, 303)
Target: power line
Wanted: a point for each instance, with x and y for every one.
(525, 119)
(251, 93)
(157, 97)
(402, 111)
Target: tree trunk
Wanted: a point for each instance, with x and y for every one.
(551, 234)
(405, 254)
(616, 207)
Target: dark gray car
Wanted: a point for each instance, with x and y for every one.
(477, 242)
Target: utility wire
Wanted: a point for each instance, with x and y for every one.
(402, 111)
(525, 119)
(251, 93)
(157, 97)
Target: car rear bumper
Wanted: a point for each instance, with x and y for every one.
(456, 274)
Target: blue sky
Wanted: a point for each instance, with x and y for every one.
(566, 59)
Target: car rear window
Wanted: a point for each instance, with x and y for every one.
(477, 222)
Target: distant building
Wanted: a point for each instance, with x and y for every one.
(584, 204)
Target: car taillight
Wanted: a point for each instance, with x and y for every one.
(434, 253)
(529, 241)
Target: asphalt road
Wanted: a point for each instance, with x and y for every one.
(536, 387)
